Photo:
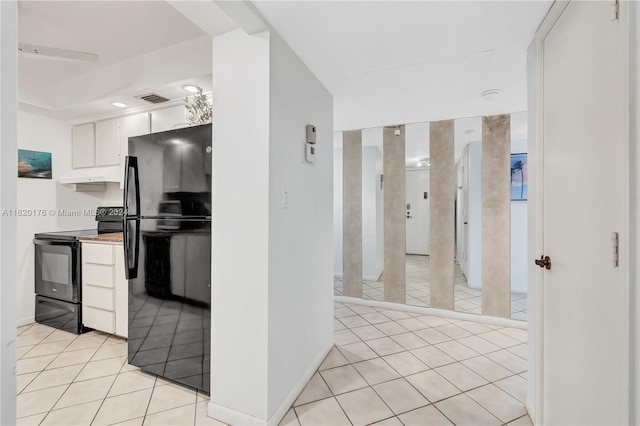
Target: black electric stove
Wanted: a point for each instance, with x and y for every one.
(58, 271)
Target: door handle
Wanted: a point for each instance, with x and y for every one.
(131, 253)
(544, 262)
(131, 163)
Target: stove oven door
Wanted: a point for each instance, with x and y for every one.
(57, 273)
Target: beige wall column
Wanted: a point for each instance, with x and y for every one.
(394, 215)
(352, 213)
(442, 214)
(496, 216)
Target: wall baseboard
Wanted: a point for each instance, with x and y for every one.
(25, 321)
(234, 417)
(478, 286)
(475, 286)
(279, 414)
(364, 277)
(370, 278)
(529, 407)
(503, 322)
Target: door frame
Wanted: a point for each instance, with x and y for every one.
(535, 90)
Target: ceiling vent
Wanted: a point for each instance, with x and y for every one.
(153, 98)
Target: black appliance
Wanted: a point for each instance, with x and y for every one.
(167, 247)
(58, 271)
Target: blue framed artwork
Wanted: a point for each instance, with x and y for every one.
(34, 164)
(518, 177)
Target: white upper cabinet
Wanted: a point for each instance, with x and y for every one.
(131, 125)
(107, 148)
(106, 143)
(83, 141)
(168, 118)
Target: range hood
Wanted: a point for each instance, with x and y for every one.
(92, 175)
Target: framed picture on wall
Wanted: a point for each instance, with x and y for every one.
(34, 164)
(518, 177)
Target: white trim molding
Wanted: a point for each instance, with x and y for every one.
(234, 417)
(444, 313)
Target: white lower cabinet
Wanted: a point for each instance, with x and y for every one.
(104, 288)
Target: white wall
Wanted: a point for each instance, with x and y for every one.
(40, 133)
(272, 272)
(372, 222)
(240, 234)
(475, 215)
(372, 218)
(338, 239)
(635, 223)
(8, 196)
(519, 252)
(300, 237)
(373, 233)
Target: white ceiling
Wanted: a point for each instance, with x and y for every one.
(385, 62)
(122, 34)
(395, 62)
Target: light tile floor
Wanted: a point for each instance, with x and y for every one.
(388, 367)
(418, 275)
(65, 379)
(400, 368)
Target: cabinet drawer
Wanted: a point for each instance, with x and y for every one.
(98, 297)
(100, 275)
(98, 253)
(98, 319)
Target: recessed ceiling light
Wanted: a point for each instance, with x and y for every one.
(118, 104)
(191, 88)
(491, 94)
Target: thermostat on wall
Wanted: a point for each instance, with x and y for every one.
(310, 152)
(310, 144)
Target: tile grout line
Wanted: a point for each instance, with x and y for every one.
(433, 369)
(383, 335)
(153, 389)
(44, 369)
(72, 381)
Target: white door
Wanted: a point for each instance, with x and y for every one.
(585, 315)
(418, 198)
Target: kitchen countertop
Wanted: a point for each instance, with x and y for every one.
(114, 237)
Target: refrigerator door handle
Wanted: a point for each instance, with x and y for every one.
(131, 248)
(131, 164)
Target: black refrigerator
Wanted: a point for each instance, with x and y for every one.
(167, 249)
